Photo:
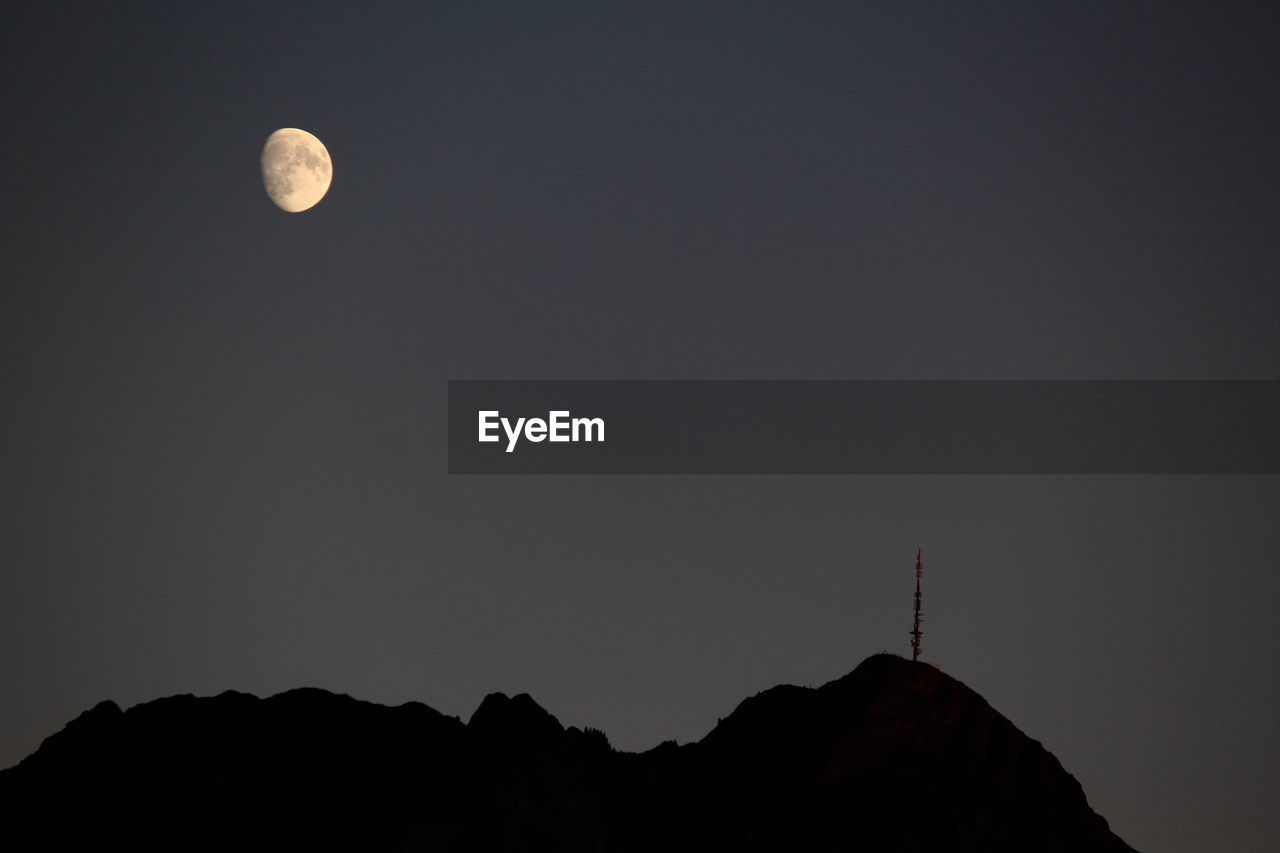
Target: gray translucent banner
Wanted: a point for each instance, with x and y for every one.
(864, 427)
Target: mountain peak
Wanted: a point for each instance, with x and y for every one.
(512, 720)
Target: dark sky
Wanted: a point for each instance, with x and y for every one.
(223, 425)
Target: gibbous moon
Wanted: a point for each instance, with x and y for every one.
(296, 169)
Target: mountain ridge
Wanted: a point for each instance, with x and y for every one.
(895, 755)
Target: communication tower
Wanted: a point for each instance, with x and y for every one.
(916, 633)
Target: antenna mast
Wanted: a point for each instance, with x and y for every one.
(916, 634)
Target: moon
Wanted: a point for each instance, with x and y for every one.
(296, 169)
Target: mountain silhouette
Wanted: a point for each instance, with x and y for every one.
(895, 756)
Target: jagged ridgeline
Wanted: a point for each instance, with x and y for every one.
(895, 756)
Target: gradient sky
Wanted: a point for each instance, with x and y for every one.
(223, 425)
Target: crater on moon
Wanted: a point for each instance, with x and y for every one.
(296, 169)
